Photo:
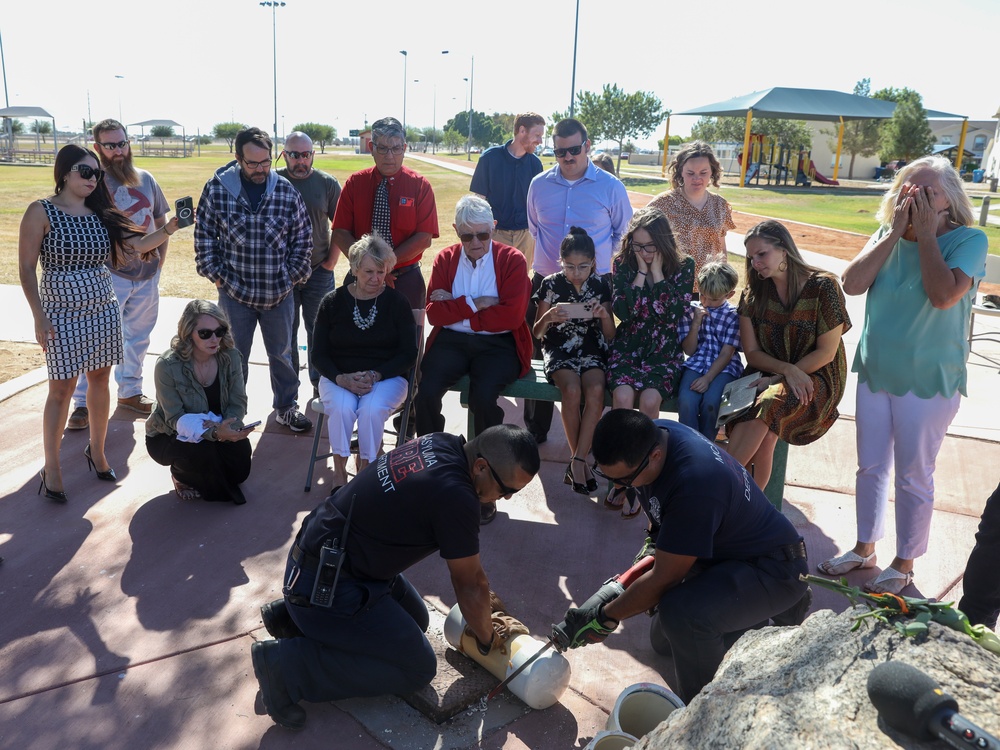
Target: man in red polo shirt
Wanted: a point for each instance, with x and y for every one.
(394, 201)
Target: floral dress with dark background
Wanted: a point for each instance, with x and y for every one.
(577, 345)
(646, 352)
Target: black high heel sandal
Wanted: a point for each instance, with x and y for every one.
(580, 489)
(59, 497)
(104, 476)
(590, 484)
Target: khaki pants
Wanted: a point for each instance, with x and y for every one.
(519, 238)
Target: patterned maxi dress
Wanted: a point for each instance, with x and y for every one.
(789, 335)
(77, 295)
(577, 345)
(646, 352)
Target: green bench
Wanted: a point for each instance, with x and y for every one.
(535, 386)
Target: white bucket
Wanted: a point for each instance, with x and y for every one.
(611, 741)
(642, 707)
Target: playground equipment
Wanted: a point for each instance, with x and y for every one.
(776, 161)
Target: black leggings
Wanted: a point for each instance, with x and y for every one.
(215, 469)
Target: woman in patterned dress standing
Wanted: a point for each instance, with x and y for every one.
(699, 219)
(75, 232)
(792, 320)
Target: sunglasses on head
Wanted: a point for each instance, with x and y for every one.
(481, 236)
(86, 171)
(573, 150)
(206, 333)
(504, 489)
(298, 154)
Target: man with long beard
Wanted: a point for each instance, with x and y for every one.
(135, 192)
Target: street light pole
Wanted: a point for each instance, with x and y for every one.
(576, 35)
(120, 118)
(273, 5)
(472, 78)
(403, 53)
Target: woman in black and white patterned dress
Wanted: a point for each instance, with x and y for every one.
(75, 233)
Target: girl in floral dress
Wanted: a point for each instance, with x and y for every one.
(575, 346)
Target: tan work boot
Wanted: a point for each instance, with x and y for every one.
(138, 403)
(79, 419)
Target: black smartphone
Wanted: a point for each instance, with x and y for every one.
(252, 424)
(695, 296)
(184, 208)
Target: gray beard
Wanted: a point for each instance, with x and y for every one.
(123, 172)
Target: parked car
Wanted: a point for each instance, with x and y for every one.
(548, 152)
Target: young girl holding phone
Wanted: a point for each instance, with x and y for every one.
(574, 324)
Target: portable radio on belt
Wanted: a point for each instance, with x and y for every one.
(331, 560)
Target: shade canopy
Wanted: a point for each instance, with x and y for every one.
(24, 112)
(806, 104)
(156, 123)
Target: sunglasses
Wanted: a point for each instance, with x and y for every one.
(206, 333)
(504, 489)
(626, 482)
(86, 171)
(574, 150)
(113, 145)
(298, 154)
(481, 236)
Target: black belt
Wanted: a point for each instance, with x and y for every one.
(397, 272)
(789, 552)
(303, 559)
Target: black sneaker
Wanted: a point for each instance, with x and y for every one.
(293, 419)
(277, 621)
(487, 512)
(273, 695)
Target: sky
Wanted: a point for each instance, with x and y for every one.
(339, 63)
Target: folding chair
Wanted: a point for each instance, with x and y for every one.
(316, 405)
(992, 277)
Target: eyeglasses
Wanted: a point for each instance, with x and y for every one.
(252, 165)
(574, 150)
(504, 489)
(86, 171)
(481, 236)
(647, 248)
(114, 145)
(582, 267)
(626, 482)
(394, 150)
(298, 154)
(206, 333)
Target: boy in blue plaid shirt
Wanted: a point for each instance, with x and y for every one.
(710, 337)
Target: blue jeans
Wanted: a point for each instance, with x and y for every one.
(307, 298)
(700, 411)
(276, 330)
(140, 303)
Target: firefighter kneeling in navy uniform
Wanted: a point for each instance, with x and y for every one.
(422, 497)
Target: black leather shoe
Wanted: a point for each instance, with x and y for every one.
(487, 512)
(277, 621)
(274, 697)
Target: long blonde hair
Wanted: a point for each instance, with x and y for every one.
(183, 344)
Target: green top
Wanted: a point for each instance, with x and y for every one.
(907, 345)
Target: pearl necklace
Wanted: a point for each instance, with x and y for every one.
(366, 322)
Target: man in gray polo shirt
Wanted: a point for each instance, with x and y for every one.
(320, 192)
(135, 192)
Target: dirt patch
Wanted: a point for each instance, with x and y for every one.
(832, 242)
(17, 358)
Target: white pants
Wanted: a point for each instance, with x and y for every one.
(906, 431)
(344, 409)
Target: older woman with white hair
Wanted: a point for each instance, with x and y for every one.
(365, 340)
(919, 270)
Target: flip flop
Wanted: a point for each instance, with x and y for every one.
(847, 562)
(631, 508)
(615, 499)
(889, 581)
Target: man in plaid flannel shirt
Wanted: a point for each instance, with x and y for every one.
(254, 240)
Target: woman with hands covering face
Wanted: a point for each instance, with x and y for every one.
(919, 272)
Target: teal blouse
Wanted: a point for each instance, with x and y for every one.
(907, 345)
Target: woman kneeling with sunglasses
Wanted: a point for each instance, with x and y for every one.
(197, 426)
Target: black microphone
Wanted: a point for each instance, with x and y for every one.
(912, 703)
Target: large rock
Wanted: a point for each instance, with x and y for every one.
(805, 687)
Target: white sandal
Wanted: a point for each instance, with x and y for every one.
(847, 562)
(889, 581)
